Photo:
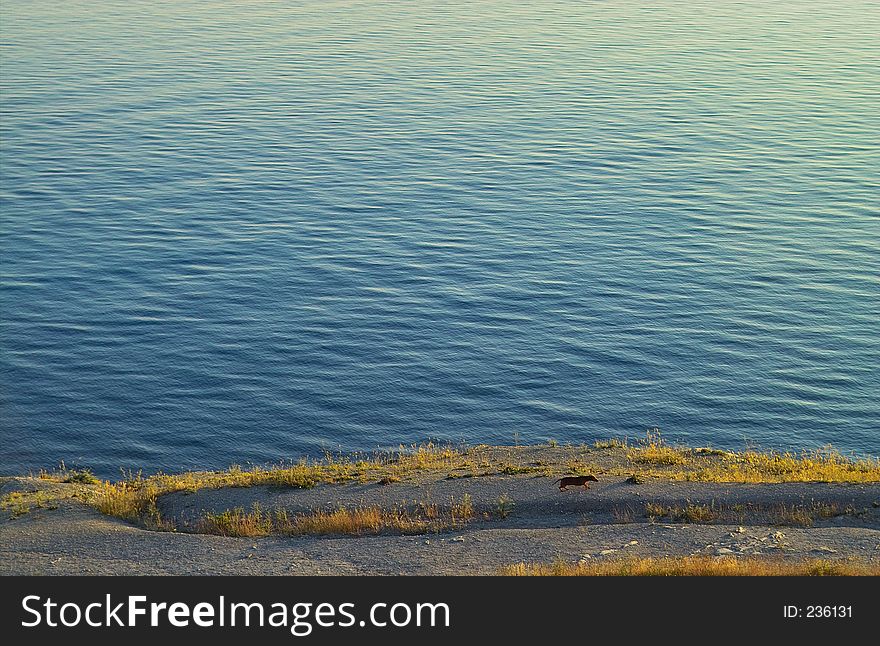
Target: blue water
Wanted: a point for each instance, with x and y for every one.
(243, 232)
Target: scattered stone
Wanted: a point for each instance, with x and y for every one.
(427, 542)
(633, 543)
(824, 549)
(740, 530)
(457, 539)
(606, 552)
(722, 551)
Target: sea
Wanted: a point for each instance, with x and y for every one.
(245, 232)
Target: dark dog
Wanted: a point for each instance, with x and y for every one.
(576, 481)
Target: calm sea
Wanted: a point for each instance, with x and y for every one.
(248, 231)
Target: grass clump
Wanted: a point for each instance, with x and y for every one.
(806, 515)
(694, 566)
(83, 476)
(517, 469)
(462, 511)
(19, 503)
(238, 522)
(504, 506)
(653, 450)
(623, 514)
(612, 443)
(688, 513)
(66, 475)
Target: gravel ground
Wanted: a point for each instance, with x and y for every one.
(606, 521)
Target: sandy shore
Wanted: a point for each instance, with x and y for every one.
(539, 524)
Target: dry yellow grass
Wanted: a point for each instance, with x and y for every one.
(426, 517)
(689, 513)
(653, 451)
(713, 465)
(695, 566)
(823, 465)
(368, 520)
(134, 497)
(802, 515)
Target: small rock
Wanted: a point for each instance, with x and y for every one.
(778, 536)
(824, 549)
(427, 542)
(606, 552)
(457, 539)
(740, 530)
(721, 551)
(633, 543)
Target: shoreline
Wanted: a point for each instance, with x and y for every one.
(434, 510)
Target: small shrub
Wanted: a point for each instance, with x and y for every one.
(83, 476)
(504, 506)
(623, 514)
(613, 443)
(463, 510)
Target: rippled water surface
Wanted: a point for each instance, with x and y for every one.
(245, 231)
